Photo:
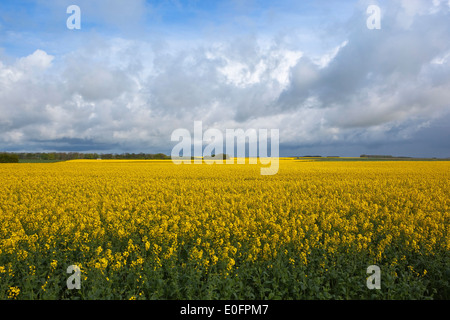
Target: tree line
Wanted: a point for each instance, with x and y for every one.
(9, 158)
(64, 156)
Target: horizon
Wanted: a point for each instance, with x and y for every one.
(99, 154)
(129, 74)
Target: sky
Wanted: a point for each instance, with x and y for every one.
(137, 70)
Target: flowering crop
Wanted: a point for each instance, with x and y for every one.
(155, 230)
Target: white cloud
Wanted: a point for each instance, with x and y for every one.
(38, 60)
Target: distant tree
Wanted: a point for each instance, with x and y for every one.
(219, 156)
(160, 156)
(375, 156)
(9, 158)
(63, 156)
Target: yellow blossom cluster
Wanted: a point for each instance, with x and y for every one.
(118, 215)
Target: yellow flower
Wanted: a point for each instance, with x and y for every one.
(32, 270)
(53, 264)
(13, 292)
(231, 263)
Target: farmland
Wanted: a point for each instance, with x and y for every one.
(151, 229)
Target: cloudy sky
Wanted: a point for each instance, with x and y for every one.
(137, 70)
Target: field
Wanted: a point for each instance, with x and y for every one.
(155, 230)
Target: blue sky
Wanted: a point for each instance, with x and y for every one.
(137, 70)
(27, 24)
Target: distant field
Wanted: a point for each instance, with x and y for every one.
(286, 158)
(37, 161)
(156, 230)
(369, 159)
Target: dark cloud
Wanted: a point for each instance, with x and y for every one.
(73, 144)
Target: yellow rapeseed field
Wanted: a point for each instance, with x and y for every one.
(153, 229)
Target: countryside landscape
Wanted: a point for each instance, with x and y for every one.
(243, 151)
(150, 229)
